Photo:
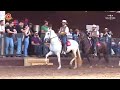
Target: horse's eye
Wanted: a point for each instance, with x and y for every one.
(48, 33)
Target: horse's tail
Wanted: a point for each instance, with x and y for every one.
(79, 59)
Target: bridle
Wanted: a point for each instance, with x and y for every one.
(52, 37)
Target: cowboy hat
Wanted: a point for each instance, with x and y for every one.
(64, 21)
(94, 25)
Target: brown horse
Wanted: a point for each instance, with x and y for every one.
(87, 48)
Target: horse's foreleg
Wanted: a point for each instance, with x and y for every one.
(99, 57)
(106, 58)
(47, 55)
(59, 61)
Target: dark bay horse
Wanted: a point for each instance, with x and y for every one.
(87, 48)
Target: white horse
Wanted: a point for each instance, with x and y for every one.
(56, 47)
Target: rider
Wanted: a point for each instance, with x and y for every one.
(95, 38)
(64, 31)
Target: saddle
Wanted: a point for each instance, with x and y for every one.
(68, 43)
(98, 44)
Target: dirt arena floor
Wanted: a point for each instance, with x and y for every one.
(51, 72)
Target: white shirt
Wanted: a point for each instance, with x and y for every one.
(66, 30)
(95, 33)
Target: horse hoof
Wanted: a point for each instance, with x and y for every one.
(74, 67)
(70, 67)
(59, 68)
(91, 67)
(96, 65)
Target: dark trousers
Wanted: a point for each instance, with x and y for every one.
(45, 49)
(38, 49)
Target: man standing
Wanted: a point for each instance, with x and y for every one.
(107, 37)
(10, 31)
(64, 31)
(19, 29)
(44, 29)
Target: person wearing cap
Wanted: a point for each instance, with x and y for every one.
(64, 31)
(43, 30)
(36, 42)
(94, 37)
(107, 37)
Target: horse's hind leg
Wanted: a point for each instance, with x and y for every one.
(105, 55)
(59, 61)
(47, 55)
(99, 57)
(74, 53)
(87, 56)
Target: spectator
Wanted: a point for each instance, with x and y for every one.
(26, 40)
(30, 47)
(70, 36)
(19, 29)
(107, 38)
(119, 49)
(36, 42)
(6, 24)
(76, 35)
(44, 29)
(10, 31)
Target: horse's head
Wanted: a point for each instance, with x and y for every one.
(82, 36)
(49, 35)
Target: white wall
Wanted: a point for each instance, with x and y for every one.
(90, 27)
(2, 15)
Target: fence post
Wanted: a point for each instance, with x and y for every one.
(2, 45)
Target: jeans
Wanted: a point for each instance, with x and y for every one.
(118, 51)
(26, 44)
(9, 41)
(38, 49)
(19, 46)
(95, 40)
(45, 49)
(0, 44)
(64, 41)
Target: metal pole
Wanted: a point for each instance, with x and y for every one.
(2, 46)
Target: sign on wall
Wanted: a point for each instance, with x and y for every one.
(8, 17)
(90, 27)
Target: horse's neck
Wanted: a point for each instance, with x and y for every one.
(85, 38)
(54, 38)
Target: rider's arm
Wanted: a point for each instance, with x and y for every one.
(97, 33)
(67, 30)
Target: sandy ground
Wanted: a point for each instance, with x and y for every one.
(51, 72)
(48, 72)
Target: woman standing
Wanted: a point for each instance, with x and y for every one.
(26, 32)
